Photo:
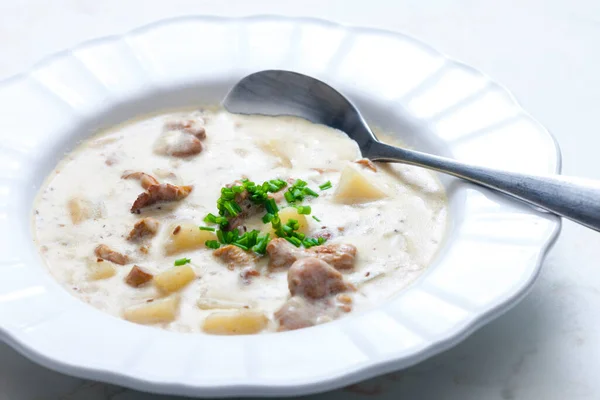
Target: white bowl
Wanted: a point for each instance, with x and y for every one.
(490, 258)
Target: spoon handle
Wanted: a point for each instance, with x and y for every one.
(573, 198)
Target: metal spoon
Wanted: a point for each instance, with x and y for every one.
(276, 92)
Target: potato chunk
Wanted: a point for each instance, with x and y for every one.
(174, 279)
(186, 236)
(162, 310)
(354, 188)
(242, 322)
(81, 209)
(101, 269)
(277, 149)
(285, 215)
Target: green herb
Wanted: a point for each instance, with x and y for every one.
(268, 217)
(325, 186)
(261, 244)
(295, 241)
(232, 208)
(212, 244)
(298, 191)
(271, 206)
(228, 207)
(241, 246)
(316, 219)
(210, 219)
(306, 210)
(310, 192)
(221, 236)
(182, 261)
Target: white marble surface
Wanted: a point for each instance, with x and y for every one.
(547, 52)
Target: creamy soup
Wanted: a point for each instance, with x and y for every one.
(205, 221)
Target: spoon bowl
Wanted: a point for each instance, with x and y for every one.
(275, 92)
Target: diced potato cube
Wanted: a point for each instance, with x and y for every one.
(101, 269)
(211, 303)
(242, 322)
(186, 236)
(174, 279)
(81, 209)
(355, 188)
(277, 149)
(161, 310)
(285, 215)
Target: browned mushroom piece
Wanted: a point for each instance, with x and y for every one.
(145, 179)
(193, 127)
(296, 313)
(300, 312)
(247, 273)
(233, 256)
(138, 276)
(143, 228)
(181, 138)
(164, 192)
(106, 253)
(178, 144)
(338, 255)
(365, 162)
(315, 279)
(282, 254)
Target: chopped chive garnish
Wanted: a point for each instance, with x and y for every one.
(231, 208)
(182, 261)
(310, 192)
(316, 219)
(325, 186)
(289, 197)
(210, 219)
(222, 221)
(293, 223)
(251, 192)
(241, 246)
(295, 241)
(303, 210)
(261, 245)
(212, 244)
(268, 217)
(271, 206)
(299, 235)
(276, 222)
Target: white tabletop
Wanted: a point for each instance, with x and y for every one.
(546, 51)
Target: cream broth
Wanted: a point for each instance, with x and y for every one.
(396, 222)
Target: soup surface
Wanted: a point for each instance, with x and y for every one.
(205, 221)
